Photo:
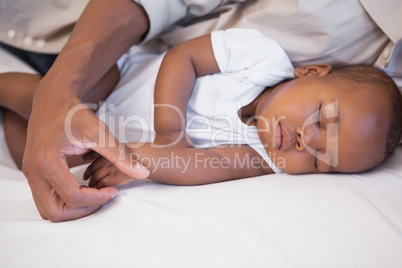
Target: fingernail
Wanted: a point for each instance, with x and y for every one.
(113, 196)
(110, 198)
(144, 171)
(138, 165)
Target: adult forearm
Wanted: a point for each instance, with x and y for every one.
(103, 33)
(105, 30)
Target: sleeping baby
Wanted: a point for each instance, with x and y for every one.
(226, 106)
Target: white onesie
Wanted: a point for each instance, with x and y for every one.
(249, 62)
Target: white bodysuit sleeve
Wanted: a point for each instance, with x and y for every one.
(248, 54)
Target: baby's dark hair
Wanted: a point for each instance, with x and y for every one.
(379, 80)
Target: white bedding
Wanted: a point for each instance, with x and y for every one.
(269, 221)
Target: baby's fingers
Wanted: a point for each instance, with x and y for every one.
(98, 176)
(94, 166)
(91, 155)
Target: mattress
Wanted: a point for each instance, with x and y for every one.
(318, 220)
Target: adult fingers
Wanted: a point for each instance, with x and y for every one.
(76, 196)
(119, 155)
(52, 207)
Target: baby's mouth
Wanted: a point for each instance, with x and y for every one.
(278, 136)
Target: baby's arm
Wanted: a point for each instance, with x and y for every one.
(182, 166)
(174, 84)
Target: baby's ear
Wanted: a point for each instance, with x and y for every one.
(313, 70)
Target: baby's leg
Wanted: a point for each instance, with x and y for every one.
(17, 91)
(15, 134)
(16, 94)
(104, 87)
(17, 98)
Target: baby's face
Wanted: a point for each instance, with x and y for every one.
(312, 125)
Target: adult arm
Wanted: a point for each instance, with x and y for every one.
(105, 30)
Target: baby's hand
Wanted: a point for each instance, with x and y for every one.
(102, 173)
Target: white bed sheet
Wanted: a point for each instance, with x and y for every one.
(269, 221)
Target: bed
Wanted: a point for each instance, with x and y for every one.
(277, 220)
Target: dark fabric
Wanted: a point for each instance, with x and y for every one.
(40, 62)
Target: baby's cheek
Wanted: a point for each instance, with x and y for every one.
(294, 163)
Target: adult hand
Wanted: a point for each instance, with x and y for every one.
(61, 126)
(86, 56)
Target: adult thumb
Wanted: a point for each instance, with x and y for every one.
(123, 159)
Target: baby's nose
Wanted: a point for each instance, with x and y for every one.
(307, 137)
